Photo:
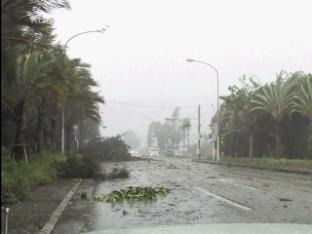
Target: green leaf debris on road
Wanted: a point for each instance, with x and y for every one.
(130, 194)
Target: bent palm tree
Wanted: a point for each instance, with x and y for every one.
(276, 98)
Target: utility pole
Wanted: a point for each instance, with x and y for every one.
(198, 145)
(213, 143)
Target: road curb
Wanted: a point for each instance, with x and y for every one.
(49, 226)
(304, 172)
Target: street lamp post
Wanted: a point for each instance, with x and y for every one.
(102, 30)
(218, 104)
(214, 137)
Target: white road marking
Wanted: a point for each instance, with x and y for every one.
(49, 226)
(222, 199)
(239, 185)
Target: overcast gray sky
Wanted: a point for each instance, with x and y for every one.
(141, 58)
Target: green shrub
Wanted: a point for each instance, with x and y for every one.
(15, 185)
(79, 166)
(18, 177)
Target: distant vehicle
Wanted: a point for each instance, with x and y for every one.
(173, 153)
(134, 153)
(153, 152)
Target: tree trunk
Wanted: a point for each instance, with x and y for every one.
(17, 149)
(52, 133)
(279, 147)
(233, 147)
(68, 137)
(251, 145)
(39, 130)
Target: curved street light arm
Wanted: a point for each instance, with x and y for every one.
(78, 34)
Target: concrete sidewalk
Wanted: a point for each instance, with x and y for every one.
(32, 214)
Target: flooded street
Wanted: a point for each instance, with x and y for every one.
(200, 193)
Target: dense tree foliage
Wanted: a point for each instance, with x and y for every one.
(268, 120)
(39, 80)
(107, 149)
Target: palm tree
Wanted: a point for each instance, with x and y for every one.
(81, 101)
(31, 69)
(22, 20)
(303, 96)
(276, 98)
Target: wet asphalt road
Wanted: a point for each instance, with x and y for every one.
(200, 193)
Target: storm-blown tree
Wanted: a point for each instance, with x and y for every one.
(255, 118)
(43, 83)
(31, 71)
(276, 98)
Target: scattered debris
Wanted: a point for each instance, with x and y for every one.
(84, 195)
(130, 194)
(284, 199)
(171, 166)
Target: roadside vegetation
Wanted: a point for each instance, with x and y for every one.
(87, 164)
(109, 149)
(272, 119)
(256, 120)
(80, 166)
(19, 177)
(40, 82)
(298, 165)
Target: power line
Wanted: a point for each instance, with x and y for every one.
(148, 106)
